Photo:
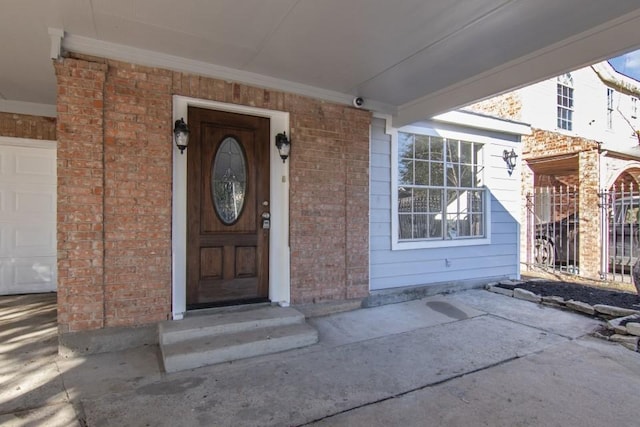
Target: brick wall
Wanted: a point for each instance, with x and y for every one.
(26, 126)
(544, 143)
(123, 169)
(507, 106)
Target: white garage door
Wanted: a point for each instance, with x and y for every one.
(27, 216)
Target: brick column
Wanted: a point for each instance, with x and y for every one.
(138, 172)
(80, 194)
(357, 203)
(589, 223)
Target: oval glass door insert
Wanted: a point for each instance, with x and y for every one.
(229, 180)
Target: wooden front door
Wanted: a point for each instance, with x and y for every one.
(227, 205)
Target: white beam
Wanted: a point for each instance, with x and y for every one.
(29, 108)
(56, 35)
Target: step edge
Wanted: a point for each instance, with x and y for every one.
(176, 362)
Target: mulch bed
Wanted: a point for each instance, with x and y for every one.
(578, 292)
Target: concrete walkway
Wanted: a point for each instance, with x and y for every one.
(468, 359)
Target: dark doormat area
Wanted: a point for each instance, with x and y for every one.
(578, 292)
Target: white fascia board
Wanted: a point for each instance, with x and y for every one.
(610, 76)
(28, 108)
(89, 46)
(476, 121)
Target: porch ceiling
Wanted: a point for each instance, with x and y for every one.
(555, 166)
(410, 58)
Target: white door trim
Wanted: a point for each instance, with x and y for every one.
(279, 275)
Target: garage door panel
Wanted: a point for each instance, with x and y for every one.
(35, 168)
(38, 240)
(31, 275)
(34, 202)
(27, 217)
(27, 165)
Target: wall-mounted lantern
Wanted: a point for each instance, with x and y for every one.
(181, 135)
(510, 158)
(283, 145)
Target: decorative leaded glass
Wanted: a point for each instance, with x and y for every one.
(229, 180)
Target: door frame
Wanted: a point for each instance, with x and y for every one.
(279, 253)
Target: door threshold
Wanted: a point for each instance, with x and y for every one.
(225, 309)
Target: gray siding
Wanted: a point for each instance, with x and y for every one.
(400, 268)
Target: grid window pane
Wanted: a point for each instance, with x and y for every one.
(422, 147)
(420, 226)
(436, 148)
(405, 172)
(404, 227)
(437, 174)
(435, 226)
(405, 145)
(405, 200)
(420, 200)
(421, 173)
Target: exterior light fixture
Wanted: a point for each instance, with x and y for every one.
(284, 146)
(509, 158)
(181, 135)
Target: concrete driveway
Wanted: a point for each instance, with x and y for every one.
(472, 358)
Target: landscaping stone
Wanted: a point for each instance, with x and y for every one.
(613, 311)
(626, 339)
(510, 282)
(582, 307)
(553, 300)
(633, 328)
(526, 295)
(501, 291)
(616, 324)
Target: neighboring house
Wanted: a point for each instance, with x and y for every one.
(585, 141)
(347, 216)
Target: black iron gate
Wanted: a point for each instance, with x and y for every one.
(552, 229)
(620, 218)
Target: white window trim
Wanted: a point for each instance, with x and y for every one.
(397, 244)
(571, 109)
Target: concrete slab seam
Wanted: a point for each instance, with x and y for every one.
(77, 406)
(413, 390)
(534, 327)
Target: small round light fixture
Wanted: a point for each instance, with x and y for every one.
(510, 158)
(283, 145)
(181, 135)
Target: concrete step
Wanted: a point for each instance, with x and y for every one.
(226, 322)
(225, 347)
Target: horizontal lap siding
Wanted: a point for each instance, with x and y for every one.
(399, 268)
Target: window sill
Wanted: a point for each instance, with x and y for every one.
(437, 244)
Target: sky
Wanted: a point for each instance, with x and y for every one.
(628, 64)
